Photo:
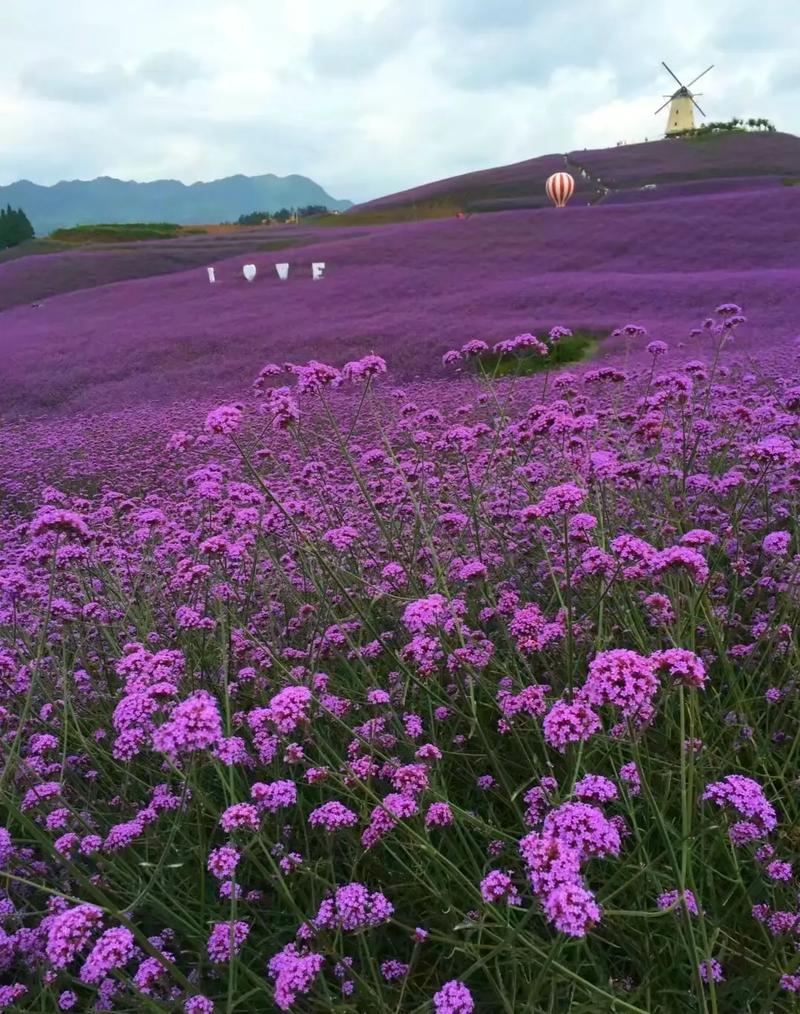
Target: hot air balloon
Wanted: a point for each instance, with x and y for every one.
(560, 187)
(249, 272)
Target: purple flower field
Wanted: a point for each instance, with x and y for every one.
(32, 279)
(504, 181)
(730, 155)
(723, 156)
(406, 292)
(695, 188)
(327, 685)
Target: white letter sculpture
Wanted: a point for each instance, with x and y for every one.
(283, 271)
(211, 276)
(317, 270)
(249, 272)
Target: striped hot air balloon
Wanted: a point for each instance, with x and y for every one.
(560, 187)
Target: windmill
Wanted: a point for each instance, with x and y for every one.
(680, 102)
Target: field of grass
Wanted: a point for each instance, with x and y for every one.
(124, 233)
(412, 212)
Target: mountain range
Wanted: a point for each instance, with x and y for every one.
(91, 202)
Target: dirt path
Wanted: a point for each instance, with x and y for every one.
(600, 188)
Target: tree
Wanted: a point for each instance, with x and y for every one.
(254, 218)
(312, 209)
(15, 227)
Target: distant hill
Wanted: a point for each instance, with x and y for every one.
(605, 174)
(91, 202)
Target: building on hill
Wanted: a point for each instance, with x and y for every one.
(680, 102)
(681, 113)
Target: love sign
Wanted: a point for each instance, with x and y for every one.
(249, 271)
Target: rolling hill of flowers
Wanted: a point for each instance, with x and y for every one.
(524, 179)
(406, 292)
(724, 156)
(730, 159)
(31, 279)
(339, 673)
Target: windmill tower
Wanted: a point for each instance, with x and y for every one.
(680, 102)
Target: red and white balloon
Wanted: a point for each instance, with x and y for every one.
(560, 187)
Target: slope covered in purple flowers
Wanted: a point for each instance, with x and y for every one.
(332, 685)
(724, 157)
(408, 292)
(35, 278)
(455, 699)
(524, 179)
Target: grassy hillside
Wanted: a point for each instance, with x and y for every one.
(123, 232)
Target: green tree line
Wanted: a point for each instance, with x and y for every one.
(15, 227)
(727, 126)
(284, 215)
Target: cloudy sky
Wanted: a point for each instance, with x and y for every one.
(366, 96)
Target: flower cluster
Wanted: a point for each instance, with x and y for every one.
(353, 907)
(469, 645)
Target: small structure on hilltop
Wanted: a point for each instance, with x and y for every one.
(680, 102)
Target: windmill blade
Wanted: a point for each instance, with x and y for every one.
(701, 111)
(699, 76)
(663, 107)
(666, 68)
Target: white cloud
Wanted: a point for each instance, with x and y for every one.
(60, 82)
(365, 96)
(363, 44)
(171, 68)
